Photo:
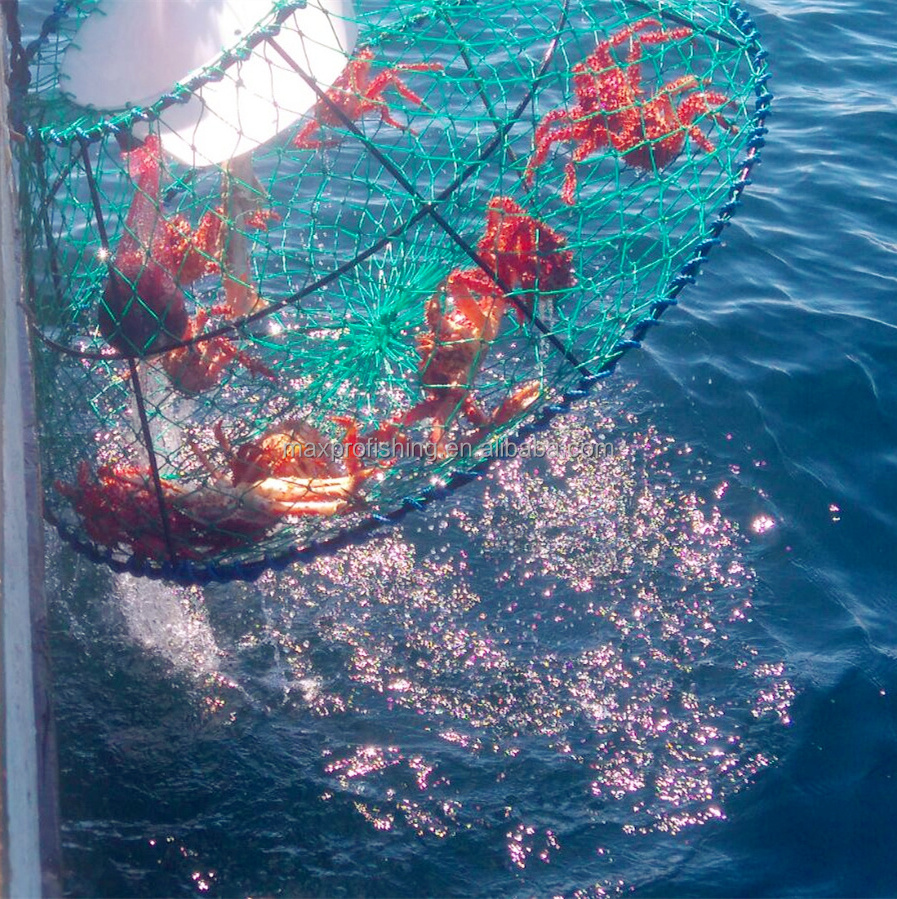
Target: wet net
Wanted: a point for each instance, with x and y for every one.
(249, 351)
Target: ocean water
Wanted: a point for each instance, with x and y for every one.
(668, 669)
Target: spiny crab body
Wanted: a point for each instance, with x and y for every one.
(526, 255)
(144, 307)
(611, 109)
(119, 506)
(292, 470)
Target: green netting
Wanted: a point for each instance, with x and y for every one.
(239, 363)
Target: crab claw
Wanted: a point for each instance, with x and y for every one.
(517, 403)
(510, 408)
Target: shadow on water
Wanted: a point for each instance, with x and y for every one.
(543, 687)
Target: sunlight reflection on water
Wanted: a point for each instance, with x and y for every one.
(591, 612)
(566, 654)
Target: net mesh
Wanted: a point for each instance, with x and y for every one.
(241, 364)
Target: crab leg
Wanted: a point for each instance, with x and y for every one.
(244, 200)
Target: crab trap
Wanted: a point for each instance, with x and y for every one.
(295, 268)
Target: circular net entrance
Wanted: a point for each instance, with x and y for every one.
(251, 349)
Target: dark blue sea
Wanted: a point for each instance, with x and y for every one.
(665, 670)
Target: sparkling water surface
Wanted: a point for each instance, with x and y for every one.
(664, 668)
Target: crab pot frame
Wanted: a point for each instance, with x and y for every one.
(241, 365)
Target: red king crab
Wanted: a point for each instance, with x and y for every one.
(292, 470)
(356, 93)
(144, 306)
(524, 253)
(463, 320)
(198, 367)
(120, 507)
(610, 109)
(465, 316)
